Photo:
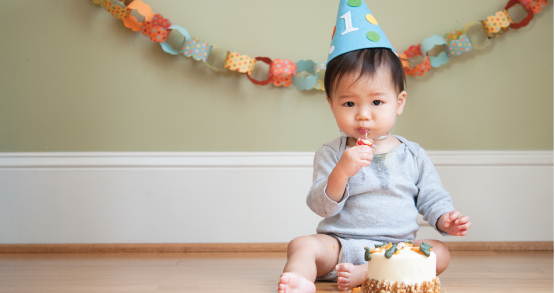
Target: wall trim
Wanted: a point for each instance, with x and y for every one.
(248, 159)
(238, 247)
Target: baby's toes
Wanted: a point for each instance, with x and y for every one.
(345, 275)
(343, 283)
(283, 285)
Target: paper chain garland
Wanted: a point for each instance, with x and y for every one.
(284, 72)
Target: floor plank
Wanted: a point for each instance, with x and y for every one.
(469, 271)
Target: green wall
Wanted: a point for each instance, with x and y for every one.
(73, 78)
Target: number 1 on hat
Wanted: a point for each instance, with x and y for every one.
(348, 23)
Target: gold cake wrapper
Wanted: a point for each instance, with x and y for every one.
(375, 286)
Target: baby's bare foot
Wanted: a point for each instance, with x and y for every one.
(292, 283)
(349, 275)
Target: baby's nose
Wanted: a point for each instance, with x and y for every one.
(364, 115)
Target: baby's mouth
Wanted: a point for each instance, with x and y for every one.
(362, 130)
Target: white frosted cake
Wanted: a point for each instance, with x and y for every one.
(401, 268)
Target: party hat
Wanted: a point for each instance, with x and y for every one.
(356, 28)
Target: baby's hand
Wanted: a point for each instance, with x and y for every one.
(353, 159)
(454, 224)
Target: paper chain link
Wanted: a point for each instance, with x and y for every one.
(284, 72)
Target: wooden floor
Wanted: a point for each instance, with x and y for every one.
(472, 271)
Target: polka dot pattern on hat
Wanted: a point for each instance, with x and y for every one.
(373, 36)
(354, 3)
(371, 19)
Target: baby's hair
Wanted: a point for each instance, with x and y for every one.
(367, 62)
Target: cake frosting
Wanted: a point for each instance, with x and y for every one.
(401, 268)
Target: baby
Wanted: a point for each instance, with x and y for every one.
(367, 195)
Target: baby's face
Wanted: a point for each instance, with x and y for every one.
(369, 106)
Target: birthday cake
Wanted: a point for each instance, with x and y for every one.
(401, 268)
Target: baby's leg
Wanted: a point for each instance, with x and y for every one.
(441, 251)
(307, 258)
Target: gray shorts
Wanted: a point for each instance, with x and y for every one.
(352, 251)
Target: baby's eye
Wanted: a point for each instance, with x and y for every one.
(349, 104)
(376, 102)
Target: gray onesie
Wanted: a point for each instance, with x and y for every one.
(381, 201)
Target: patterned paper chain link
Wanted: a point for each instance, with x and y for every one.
(457, 43)
(239, 63)
(284, 72)
(157, 28)
(117, 10)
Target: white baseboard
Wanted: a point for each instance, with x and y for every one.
(248, 159)
(241, 197)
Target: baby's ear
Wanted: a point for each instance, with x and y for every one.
(401, 99)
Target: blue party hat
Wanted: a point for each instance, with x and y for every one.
(356, 28)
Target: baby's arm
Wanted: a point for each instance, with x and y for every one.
(326, 162)
(435, 203)
(348, 166)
